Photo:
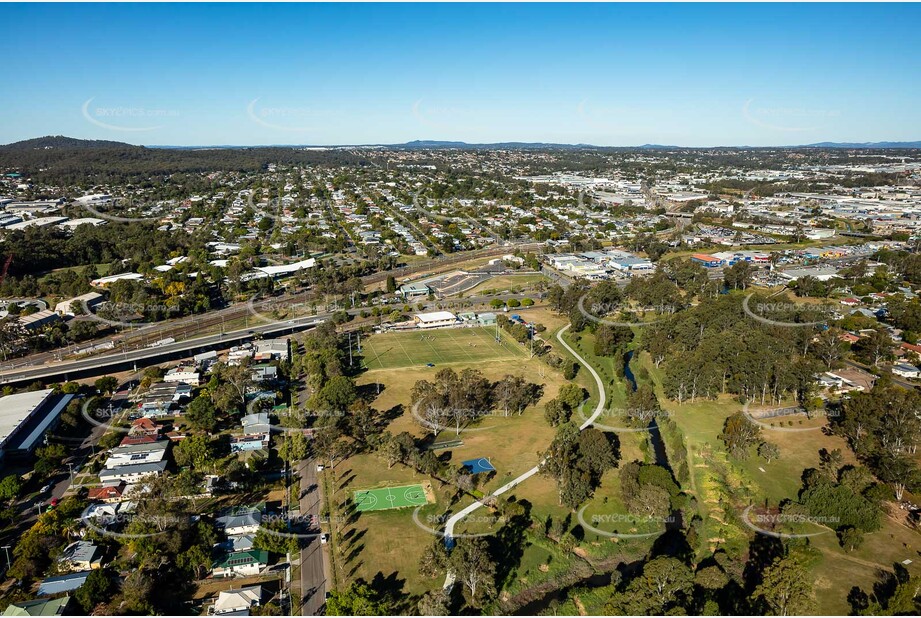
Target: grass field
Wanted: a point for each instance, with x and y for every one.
(447, 346)
(509, 282)
(390, 498)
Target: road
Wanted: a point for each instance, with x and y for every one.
(895, 379)
(95, 365)
(602, 401)
(131, 359)
(313, 568)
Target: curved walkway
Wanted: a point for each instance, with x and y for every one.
(602, 400)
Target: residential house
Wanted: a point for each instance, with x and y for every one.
(62, 583)
(905, 370)
(184, 374)
(81, 556)
(108, 495)
(255, 442)
(242, 520)
(144, 427)
(256, 423)
(237, 601)
(134, 454)
(131, 474)
(38, 607)
(243, 563)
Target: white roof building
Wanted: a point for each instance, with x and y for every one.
(233, 601)
(435, 319)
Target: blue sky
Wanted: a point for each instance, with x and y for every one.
(620, 75)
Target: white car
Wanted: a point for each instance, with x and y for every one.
(320, 467)
(324, 538)
(45, 489)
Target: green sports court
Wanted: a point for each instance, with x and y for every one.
(390, 498)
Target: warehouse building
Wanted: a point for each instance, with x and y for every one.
(24, 420)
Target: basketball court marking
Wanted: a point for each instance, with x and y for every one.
(390, 498)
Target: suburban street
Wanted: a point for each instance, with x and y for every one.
(313, 582)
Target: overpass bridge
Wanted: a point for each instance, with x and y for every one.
(130, 359)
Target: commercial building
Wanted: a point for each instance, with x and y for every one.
(25, 418)
(414, 290)
(69, 308)
(271, 349)
(39, 319)
(708, 261)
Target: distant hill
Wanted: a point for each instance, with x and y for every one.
(862, 145)
(62, 142)
(65, 143)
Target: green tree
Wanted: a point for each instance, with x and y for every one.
(202, 414)
(106, 384)
(10, 487)
(98, 588)
(475, 568)
(785, 589)
(739, 435)
(358, 599)
(195, 451)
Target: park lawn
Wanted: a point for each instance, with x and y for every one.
(540, 562)
(102, 269)
(393, 542)
(837, 571)
(719, 482)
(386, 542)
(524, 283)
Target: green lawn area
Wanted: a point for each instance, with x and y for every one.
(102, 269)
(504, 283)
(444, 346)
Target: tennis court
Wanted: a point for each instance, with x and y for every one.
(390, 498)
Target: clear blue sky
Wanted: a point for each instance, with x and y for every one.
(686, 74)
